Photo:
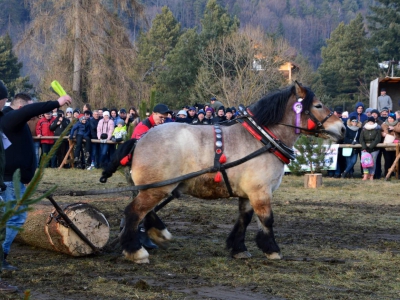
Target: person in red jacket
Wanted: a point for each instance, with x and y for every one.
(43, 129)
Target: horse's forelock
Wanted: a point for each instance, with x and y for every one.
(269, 110)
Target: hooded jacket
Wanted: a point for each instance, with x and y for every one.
(360, 117)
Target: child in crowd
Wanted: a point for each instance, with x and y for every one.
(82, 130)
(119, 132)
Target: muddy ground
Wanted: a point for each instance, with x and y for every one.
(340, 241)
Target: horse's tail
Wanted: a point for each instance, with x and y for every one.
(119, 155)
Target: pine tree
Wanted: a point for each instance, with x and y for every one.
(10, 68)
(176, 81)
(153, 48)
(347, 65)
(217, 22)
(384, 24)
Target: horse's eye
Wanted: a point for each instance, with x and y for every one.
(318, 106)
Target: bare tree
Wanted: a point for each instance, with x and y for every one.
(241, 67)
(84, 45)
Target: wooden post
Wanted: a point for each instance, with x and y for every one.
(70, 154)
(44, 228)
(312, 181)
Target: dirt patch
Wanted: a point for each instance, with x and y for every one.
(338, 242)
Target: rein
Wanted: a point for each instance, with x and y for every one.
(213, 169)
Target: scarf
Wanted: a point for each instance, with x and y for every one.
(391, 123)
(370, 127)
(354, 128)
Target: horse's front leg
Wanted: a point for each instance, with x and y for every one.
(236, 239)
(265, 238)
(144, 202)
(129, 238)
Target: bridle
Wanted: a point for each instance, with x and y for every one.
(313, 124)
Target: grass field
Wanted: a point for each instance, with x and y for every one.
(340, 241)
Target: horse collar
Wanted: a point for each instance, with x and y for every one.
(266, 136)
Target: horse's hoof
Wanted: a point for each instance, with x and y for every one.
(160, 237)
(274, 255)
(242, 255)
(139, 257)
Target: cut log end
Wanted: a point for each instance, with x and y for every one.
(312, 181)
(46, 229)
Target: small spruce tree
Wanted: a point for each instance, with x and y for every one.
(312, 153)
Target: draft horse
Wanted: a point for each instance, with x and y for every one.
(176, 149)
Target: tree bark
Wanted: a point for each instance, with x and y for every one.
(76, 85)
(44, 228)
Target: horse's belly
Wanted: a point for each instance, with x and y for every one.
(205, 187)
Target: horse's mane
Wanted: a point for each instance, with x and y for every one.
(269, 110)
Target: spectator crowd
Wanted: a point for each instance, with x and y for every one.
(368, 127)
(109, 125)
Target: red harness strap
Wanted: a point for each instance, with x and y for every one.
(258, 136)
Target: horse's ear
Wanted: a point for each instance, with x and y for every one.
(300, 90)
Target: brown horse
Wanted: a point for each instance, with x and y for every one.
(176, 149)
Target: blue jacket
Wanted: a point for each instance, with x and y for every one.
(82, 129)
(360, 117)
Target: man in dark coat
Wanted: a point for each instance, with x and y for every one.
(21, 155)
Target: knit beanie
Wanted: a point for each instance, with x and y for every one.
(3, 91)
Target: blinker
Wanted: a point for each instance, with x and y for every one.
(311, 124)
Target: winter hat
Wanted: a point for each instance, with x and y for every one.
(375, 111)
(222, 108)
(338, 109)
(106, 113)
(192, 108)
(77, 110)
(3, 91)
(69, 109)
(209, 109)
(201, 112)
(122, 110)
(354, 119)
(82, 119)
(182, 112)
(369, 109)
(122, 122)
(384, 109)
(228, 110)
(392, 115)
(213, 99)
(371, 119)
(162, 109)
(383, 90)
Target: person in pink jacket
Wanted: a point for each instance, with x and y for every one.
(105, 129)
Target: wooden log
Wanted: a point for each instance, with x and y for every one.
(312, 181)
(44, 228)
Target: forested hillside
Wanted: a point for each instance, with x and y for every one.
(119, 52)
(305, 24)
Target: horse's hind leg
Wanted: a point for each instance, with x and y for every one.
(265, 238)
(236, 238)
(156, 229)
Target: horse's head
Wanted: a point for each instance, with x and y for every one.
(316, 119)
